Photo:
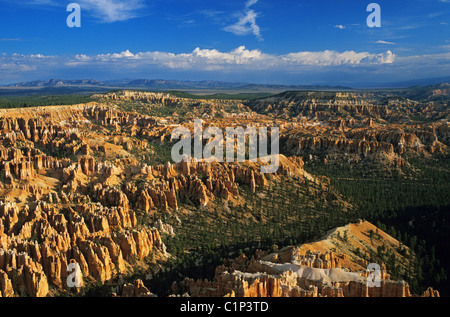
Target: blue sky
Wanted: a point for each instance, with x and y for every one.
(262, 41)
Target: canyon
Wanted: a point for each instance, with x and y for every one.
(79, 184)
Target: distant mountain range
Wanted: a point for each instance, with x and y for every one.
(135, 83)
(160, 84)
(437, 90)
(57, 83)
(419, 82)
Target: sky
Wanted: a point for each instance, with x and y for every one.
(257, 41)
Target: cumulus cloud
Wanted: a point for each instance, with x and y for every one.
(198, 59)
(247, 22)
(333, 58)
(239, 59)
(19, 63)
(238, 64)
(211, 59)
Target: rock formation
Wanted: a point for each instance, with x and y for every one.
(77, 186)
(295, 272)
(137, 289)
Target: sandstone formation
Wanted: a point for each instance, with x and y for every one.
(78, 185)
(310, 270)
(355, 127)
(137, 289)
(61, 218)
(62, 205)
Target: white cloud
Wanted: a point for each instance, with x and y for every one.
(11, 67)
(239, 59)
(426, 60)
(245, 25)
(19, 63)
(247, 22)
(107, 11)
(238, 64)
(198, 59)
(112, 10)
(333, 58)
(385, 42)
(339, 26)
(249, 3)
